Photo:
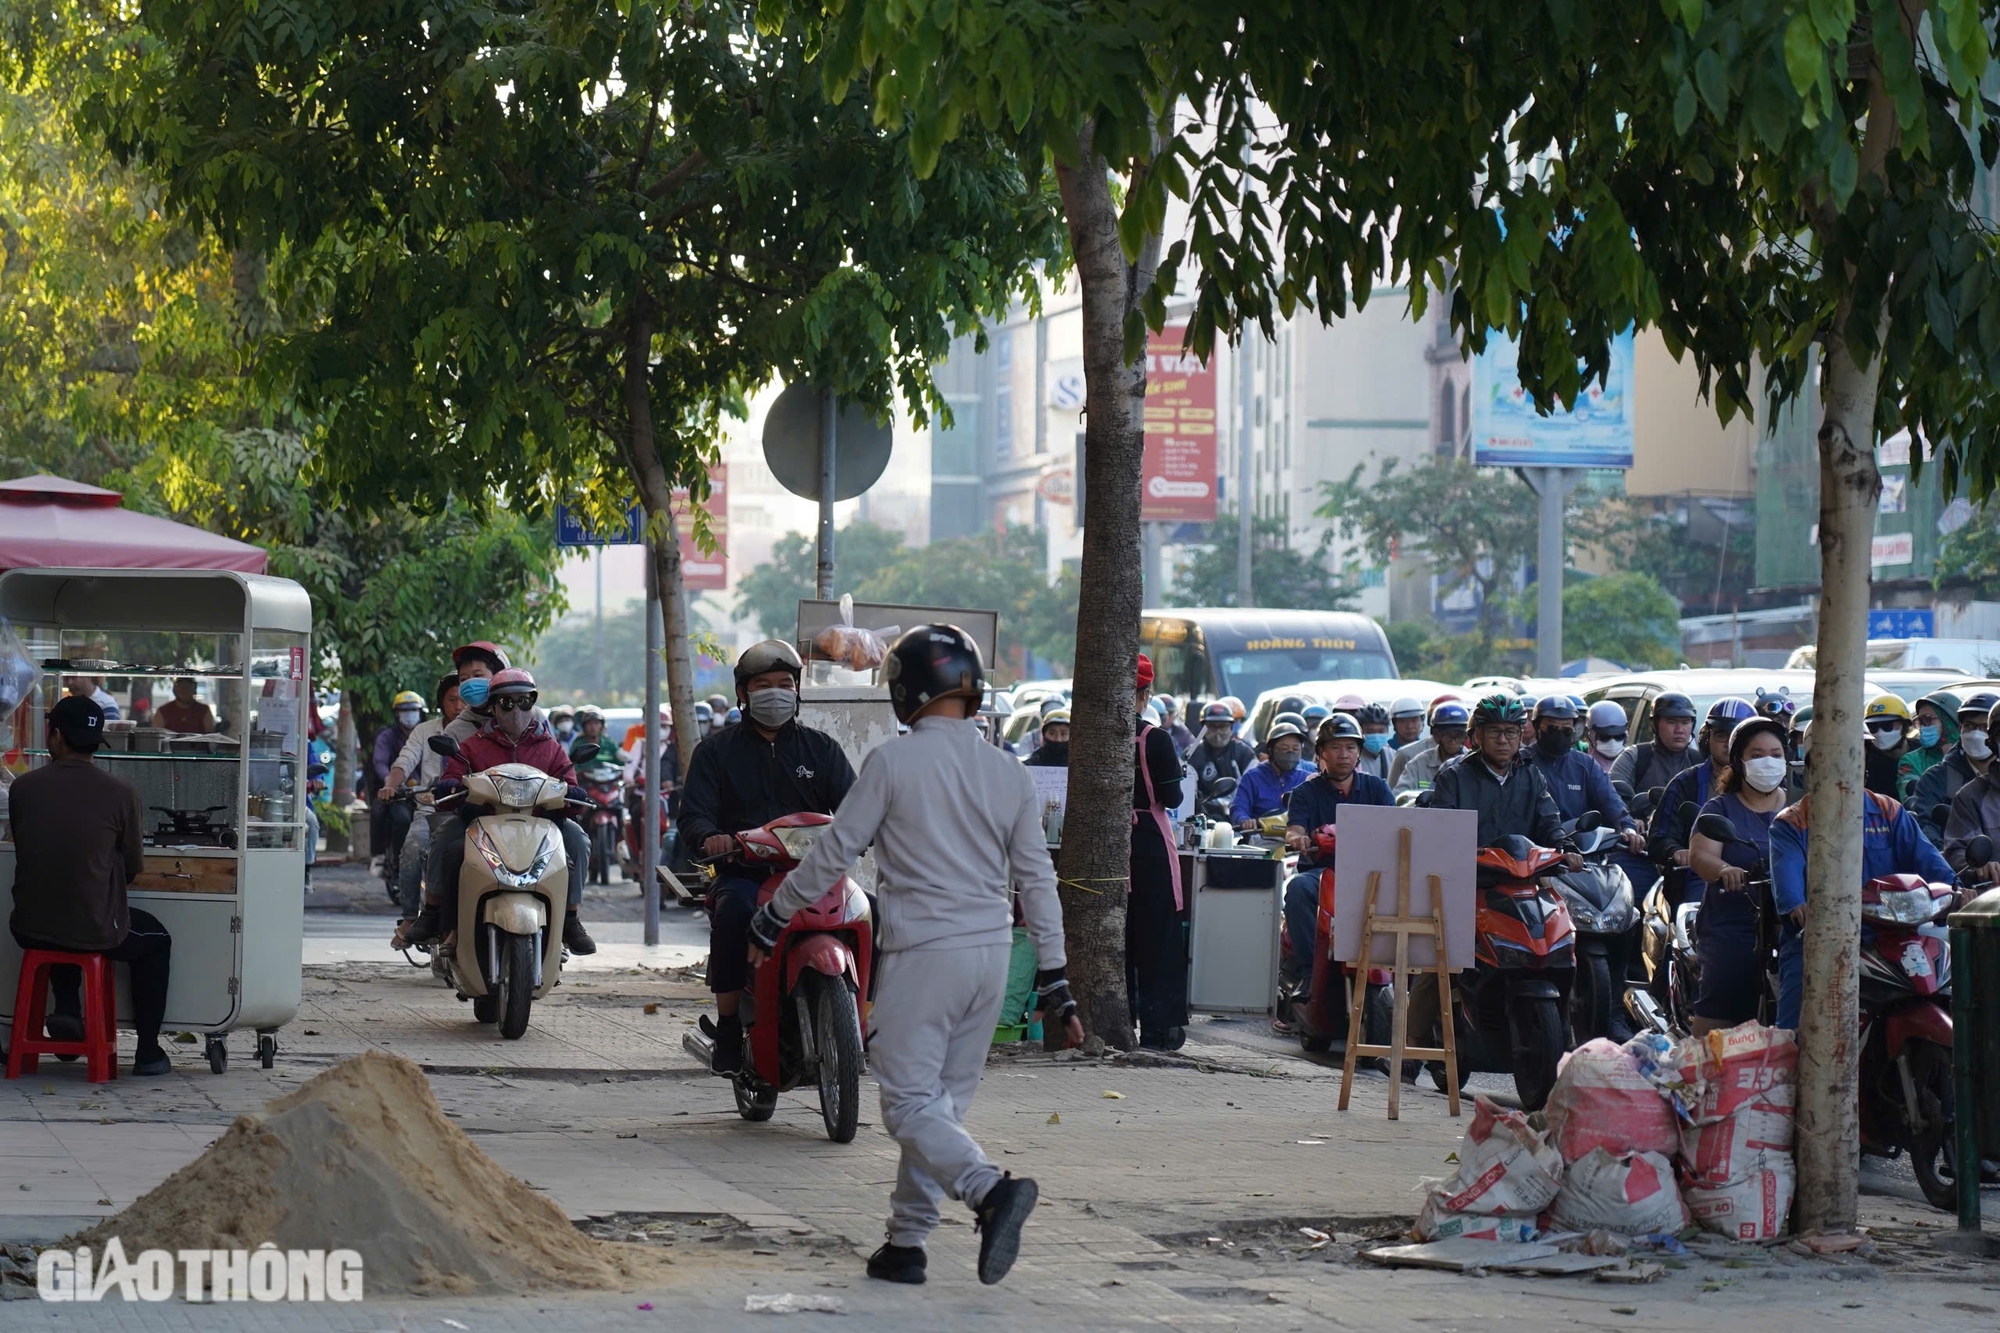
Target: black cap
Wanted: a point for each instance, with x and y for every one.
(80, 721)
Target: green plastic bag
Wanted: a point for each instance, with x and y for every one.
(1015, 1024)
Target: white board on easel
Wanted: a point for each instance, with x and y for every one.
(1442, 843)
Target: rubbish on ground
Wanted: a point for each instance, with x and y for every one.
(1750, 1207)
(1458, 1254)
(453, 1323)
(1624, 1194)
(793, 1303)
(362, 1158)
(651, 1009)
(1632, 1271)
(1598, 1241)
(1838, 1242)
(1055, 1118)
(1664, 1241)
(1507, 1173)
(1736, 1152)
(1110, 1096)
(1603, 1099)
(1317, 1237)
(1559, 1265)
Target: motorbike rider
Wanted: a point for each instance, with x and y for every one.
(386, 830)
(562, 720)
(742, 778)
(1218, 754)
(1967, 757)
(518, 736)
(1450, 721)
(590, 732)
(1668, 843)
(1170, 713)
(1604, 731)
(1575, 780)
(1891, 844)
(1376, 738)
(1750, 795)
(1406, 720)
(1937, 732)
(1313, 806)
(957, 830)
(1265, 785)
(1887, 718)
(1672, 751)
(1053, 752)
(420, 764)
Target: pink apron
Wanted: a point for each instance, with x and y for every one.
(1158, 814)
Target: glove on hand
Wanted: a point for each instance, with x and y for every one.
(1057, 1003)
(765, 927)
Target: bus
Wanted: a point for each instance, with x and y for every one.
(1207, 652)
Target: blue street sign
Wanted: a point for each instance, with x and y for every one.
(571, 531)
(1902, 622)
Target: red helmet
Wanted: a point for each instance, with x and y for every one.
(495, 659)
(1349, 703)
(514, 680)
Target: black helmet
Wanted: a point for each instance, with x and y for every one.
(929, 663)
(758, 658)
(1291, 703)
(1673, 704)
(1283, 729)
(1498, 708)
(1375, 713)
(1556, 708)
(1337, 727)
(1293, 719)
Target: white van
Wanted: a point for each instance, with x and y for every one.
(1975, 657)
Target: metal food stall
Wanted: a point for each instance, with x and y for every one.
(210, 672)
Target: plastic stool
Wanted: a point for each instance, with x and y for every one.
(99, 1047)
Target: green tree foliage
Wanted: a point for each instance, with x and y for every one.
(1704, 562)
(1626, 617)
(1280, 575)
(770, 592)
(569, 667)
(1474, 527)
(1969, 558)
(990, 571)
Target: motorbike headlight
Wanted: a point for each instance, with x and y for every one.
(799, 841)
(538, 864)
(518, 793)
(1906, 907)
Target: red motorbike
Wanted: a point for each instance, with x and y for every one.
(1906, 1086)
(802, 1011)
(1318, 1010)
(604, 784)
(633, 850)
(1511, 1006)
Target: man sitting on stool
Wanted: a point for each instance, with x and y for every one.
(77, 844)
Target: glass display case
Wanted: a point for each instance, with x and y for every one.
(204, 682)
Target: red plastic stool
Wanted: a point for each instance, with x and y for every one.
(99, 1046)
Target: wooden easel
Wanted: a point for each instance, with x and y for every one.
(1402, 925)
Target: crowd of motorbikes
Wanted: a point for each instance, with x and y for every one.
(1566, 955)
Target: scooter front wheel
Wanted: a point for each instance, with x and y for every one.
(1933, 1155)
(837, 1040)
(1537, 1032)
(517, 984)
(754, 1104)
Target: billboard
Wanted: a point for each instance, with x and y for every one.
(1178, 469)
(1508, 432)
(701, 572)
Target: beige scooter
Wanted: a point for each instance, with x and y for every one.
(505, 952)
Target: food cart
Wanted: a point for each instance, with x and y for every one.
(220, 770)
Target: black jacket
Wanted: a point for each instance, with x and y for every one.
(1052, 754)
(1211, 766)
(737, 780)
(1938, 786)
(1163, 765)
(1522, 804)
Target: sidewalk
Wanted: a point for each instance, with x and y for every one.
(598, 1106)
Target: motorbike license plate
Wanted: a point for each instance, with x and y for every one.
(1916, 962)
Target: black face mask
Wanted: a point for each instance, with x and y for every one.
(1054, 753)
(1552, 741)
(1215, 739)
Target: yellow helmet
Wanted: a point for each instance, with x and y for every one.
(1887, 705)
(1056, 717)
(407, 699)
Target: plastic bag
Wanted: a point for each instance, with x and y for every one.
(1603, 1099)
(1631, 1195)
(854, 648)
(1745, 1091)
(1753, 1205)
(17, 671)
(1505, 1169)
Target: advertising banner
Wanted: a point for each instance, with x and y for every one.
(1508, 432)
(701, 572)
(1178, 469)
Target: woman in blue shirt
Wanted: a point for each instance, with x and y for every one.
(1750, 795)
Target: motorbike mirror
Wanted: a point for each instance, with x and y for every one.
(582, 750)
(1624, 790)
(1716, 828)
(1223, 787)
(1979, 851)
(1423, 800)
(1587, 821)
(1689, 812)
(1940, 815)
(444, 745)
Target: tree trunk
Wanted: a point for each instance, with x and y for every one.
(1097, 822)
(656, 493)
(1850, 483)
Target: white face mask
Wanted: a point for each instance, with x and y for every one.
(1885, 740)
(408, 716)
(1974, 744)
(1765, 774)
(1611, 747)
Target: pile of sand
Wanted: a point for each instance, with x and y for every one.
(361, 1158)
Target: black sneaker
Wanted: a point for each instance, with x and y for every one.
(898, 1263)
(998, 1218)
(149, 1066)
(575, 938)
(64, 1027)
(425, 927)
(728, 1046)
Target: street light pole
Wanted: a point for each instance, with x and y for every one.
(828, 424)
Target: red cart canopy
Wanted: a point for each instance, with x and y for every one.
(50, 522)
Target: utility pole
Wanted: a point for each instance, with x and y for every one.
(650, 767)
(1553, 485)
(1245, 591)
(597, 665)
(828, 423)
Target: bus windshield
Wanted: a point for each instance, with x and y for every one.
(1248, 674)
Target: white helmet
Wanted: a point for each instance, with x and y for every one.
(1406, 707)
(1607, 716)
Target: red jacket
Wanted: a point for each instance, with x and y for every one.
(537, 748)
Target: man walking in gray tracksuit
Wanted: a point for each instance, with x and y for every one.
(956, 825)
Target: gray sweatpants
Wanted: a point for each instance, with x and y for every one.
(931, 1026)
